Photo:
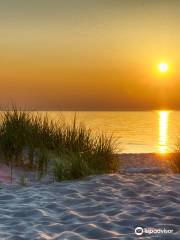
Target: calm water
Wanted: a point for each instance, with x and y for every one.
(136, 132)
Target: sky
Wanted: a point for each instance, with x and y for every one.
(89, 54)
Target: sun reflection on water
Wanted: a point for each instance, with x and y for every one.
(163, 131)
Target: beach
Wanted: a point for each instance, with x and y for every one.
(90, 120)
(108, 206)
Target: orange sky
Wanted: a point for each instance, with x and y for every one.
(89, 55)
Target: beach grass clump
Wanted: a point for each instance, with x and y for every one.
(72, 165)
(175, 161)
(23, 181)
(13, 133)
(13, 128)
(175, 158)
(70, 150)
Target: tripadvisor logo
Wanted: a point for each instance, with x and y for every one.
(139, 231)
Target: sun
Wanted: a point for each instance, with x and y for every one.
(163, 67)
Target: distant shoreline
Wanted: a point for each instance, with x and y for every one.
(145, 162)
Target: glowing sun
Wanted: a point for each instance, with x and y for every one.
(163, 67)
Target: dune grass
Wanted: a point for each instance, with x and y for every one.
(175, 162)
(70, 151)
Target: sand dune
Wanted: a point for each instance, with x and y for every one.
(101, 207)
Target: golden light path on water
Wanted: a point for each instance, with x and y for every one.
(163, 131)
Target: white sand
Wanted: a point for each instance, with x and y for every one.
(99, 207)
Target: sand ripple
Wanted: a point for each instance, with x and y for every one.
(102, 207)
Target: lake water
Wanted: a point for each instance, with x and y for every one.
(135, 132)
